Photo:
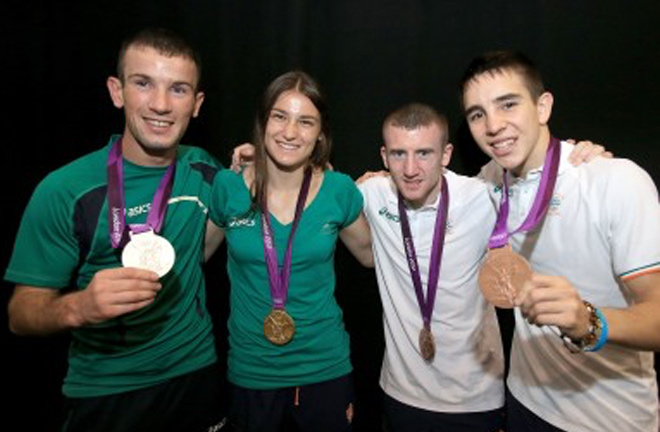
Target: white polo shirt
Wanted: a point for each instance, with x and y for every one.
(602, 226)
(466, 373)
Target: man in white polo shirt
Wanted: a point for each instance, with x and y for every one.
(575, 365)
(460, 388)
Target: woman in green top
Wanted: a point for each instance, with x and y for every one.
(289, 351)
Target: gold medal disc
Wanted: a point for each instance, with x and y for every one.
(502, 276)
(279, 327)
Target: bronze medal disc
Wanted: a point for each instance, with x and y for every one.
(502, 276)
(279, 327)
(426, 344)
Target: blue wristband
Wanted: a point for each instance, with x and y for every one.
(604, 330)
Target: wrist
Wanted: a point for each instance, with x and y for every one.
(596, 335)
(72, 316)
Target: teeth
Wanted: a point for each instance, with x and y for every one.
(158, 123)
(288, 146)
(503, 144)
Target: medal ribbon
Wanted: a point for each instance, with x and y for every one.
(500, 235)
(279, 279)
(426, 306)
(117, 204)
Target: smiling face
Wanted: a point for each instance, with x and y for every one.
(292, 131)
(159, 96)
(416, 158)
(505, 120)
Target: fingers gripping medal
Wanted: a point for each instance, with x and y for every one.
(143, 247)
(279, 326)
(504, 272)
(426, 303)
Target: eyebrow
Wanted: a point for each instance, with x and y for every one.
(138, 75)
(147, 77)
(417, 150)
(508, 96)
(304, 116)
(499, 99)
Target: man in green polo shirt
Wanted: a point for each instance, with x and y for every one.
(142, 353)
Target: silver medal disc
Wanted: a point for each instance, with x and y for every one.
(149, 251)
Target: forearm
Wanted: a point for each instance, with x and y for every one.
(636, 327)
(212, 239)
(42, 311)
(364, 254)
(357, 238)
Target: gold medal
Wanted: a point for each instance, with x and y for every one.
(279, 327)
(426, 344)
(503, 275)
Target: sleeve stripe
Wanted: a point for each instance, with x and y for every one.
(641, 271)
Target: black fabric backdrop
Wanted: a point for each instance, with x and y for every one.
(600, 59)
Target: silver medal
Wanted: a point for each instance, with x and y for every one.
(149, 251)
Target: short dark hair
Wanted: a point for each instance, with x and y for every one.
(165, 42)
(415, 115)
(496, 62)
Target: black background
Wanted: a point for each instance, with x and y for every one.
(599, 58)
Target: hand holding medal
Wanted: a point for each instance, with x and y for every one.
(507, 279)
(554, 302)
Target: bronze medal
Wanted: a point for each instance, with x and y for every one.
(426, 344)
(502, 276)
(279, 327)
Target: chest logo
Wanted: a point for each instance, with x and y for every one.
(241, 222)
(386, 214)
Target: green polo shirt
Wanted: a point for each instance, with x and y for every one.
(63, 241)
(319, 350)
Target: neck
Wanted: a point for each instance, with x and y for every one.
(536, 157)
(430, 198)
(284, 180)
(139, 155)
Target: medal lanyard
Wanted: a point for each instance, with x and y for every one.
(117, 204)
(426, 306)
(500, 235)
(279, 280)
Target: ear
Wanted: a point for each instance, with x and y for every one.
(116, 89)
(199, 99)
(383, 154)
(446, 154)
(544, 106)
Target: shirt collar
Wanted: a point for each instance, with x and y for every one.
(534, 175)
(393, 199)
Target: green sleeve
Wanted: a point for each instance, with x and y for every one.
(219, 197)
(351, 200)
(46, 252)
